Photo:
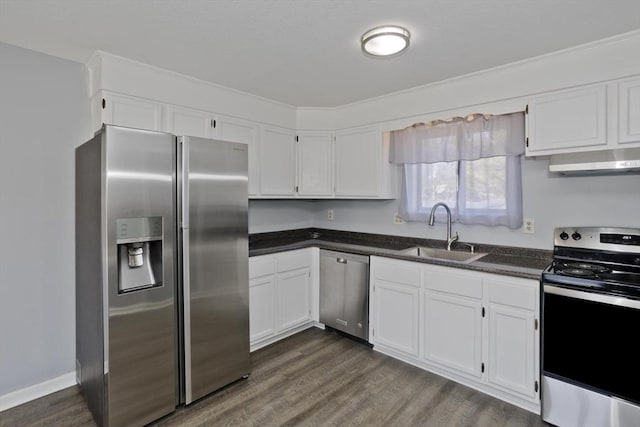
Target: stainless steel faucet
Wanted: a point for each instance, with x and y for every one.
(450, 239)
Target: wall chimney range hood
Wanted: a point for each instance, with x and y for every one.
(596, 162)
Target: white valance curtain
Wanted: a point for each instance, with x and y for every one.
(472, 163)
(473, 137)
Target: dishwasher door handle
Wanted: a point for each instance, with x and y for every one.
(341, 260)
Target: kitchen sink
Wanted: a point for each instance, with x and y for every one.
(442, 254)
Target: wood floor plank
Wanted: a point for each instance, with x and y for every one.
(313, 378)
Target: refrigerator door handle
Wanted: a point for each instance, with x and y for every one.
(183, 253)
(186, 292)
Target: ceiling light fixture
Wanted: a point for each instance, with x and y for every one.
(385, 41)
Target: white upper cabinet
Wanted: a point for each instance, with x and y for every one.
(357, 161)
(246, 132)
(129, 111)
(188, 122)
(567, 120)
(315, 161)
(587, 118)
(629, 110)
(277, 162)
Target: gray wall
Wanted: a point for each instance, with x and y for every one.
(44, 115)
(274, 215)
(552, 201)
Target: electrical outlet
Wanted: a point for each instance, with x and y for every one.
(397, 219)
(529, 226)
(330, 214)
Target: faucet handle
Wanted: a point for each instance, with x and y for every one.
(472, 248)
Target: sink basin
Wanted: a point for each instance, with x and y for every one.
(442, 254)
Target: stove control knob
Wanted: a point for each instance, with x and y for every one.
(564, 235)
(576, 236)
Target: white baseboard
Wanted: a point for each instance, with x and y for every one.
(27, 394)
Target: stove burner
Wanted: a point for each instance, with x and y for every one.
(580, 269)
(588, 268)
(579, 272)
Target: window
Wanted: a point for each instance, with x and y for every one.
(474, 168)
(477, 191)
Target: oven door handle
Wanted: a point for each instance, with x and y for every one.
(590, 296)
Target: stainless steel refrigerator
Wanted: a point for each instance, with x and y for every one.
(162, 309)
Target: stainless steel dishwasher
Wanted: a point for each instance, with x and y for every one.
(344, 292)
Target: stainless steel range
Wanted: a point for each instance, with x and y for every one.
(591, 328)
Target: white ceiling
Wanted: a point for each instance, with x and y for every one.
(306, 52)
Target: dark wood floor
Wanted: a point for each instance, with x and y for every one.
(314, 378)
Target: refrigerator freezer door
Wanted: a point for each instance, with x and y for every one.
(140, 351)
(215, 264)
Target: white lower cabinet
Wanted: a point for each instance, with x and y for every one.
(476, 328)
(279, 295)
(453, 332)
(262, 307)
(294, 297)
(394, 306)
(512, 349)
(396, 321)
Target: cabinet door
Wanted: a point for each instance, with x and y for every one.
(357, 162)
(122, 110)
(277, 166)
(185, 121)
(629, 111)
(453, 332)
(294, 298)
(262, 320)
(396, 316)
(512, 349)
(243, 131)
(314, 163)
(568, 119)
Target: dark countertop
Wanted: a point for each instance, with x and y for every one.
(505, 260)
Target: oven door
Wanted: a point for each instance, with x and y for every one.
(590, 355)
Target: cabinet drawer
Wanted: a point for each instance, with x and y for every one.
(293, 260)
(453, 283)
(262, 266)
(515, 294)
(398, 272)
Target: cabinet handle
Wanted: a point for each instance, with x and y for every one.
(482, 367)
(104, 103)
(341, 322)
(341, 260)
(535, 387)
(535, 324)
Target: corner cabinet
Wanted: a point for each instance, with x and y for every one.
(586, 118)
(475, 328)
(280, 295)
(362, 169)
(315, 164)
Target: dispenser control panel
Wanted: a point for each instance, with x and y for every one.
(140, 260)
(138, 229)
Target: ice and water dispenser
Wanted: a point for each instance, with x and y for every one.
(139, 243)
